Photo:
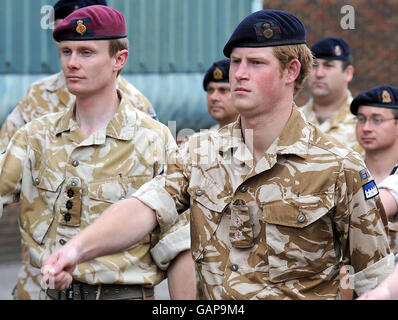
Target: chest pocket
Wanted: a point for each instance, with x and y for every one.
(299, 236)
(39, 210)
(208, 202)
(103, 193)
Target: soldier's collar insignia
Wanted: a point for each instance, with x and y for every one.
(81, 28)
(386, 97)
(337, 51)
(217, 74)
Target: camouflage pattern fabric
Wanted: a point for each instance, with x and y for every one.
(51, 95)
(278, 228)
(43, 97)
(340, 126)
(391, 183)
(65, 181)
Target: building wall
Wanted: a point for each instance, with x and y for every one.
(373, 42)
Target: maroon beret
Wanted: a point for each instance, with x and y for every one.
(92, 23)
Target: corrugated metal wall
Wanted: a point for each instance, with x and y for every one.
(173, 42)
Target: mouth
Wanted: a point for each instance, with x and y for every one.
(241, 90)
(367, 139)
(73, 78)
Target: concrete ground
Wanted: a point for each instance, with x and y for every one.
(8, 276)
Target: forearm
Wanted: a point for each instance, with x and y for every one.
(182, 278)
(122, 225)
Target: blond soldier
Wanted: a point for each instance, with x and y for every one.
(329, 106)
(377, 132)
(68, 167)
(43, 97)
(275, 205)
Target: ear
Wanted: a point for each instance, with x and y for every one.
(349, 73)
(292, 71)
(120, 60)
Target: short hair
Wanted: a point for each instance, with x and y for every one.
(116, 45)
(303, 54)
(348, 62)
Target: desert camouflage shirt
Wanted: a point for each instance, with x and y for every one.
(51, 95)
(391, 184)
(278, 228)
(340, 126)
(65, 181)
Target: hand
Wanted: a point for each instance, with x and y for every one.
(58, 268)
(382, 292)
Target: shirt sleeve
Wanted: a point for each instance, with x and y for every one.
(362, 226)
(11, 168)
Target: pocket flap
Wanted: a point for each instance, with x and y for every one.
(297, 213)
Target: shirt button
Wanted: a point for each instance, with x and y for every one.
(62, 242)
(234, 267)
(301, 218)
(243, 188)
(199, 192)
(37, 181)
(69, 204)
(67, 217)
(75, 163)
(70, 193)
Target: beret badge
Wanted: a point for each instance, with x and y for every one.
(217, 73)
(81, 28)
(268, 32)
(385, 96)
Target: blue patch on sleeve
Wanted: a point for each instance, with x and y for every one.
(370, 190)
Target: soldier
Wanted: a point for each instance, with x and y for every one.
(329, 106)
(275, 204)
(51, 94)
(43, 97)
(376, 113)
(68, 167)
(219, 99)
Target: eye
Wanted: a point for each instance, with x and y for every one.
(65, 52)
(377, 120)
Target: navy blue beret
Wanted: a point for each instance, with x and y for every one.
(384, 96)
(331, 48)
(267, 28)
(219, 72)
(63, 8)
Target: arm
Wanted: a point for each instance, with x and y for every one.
(389, 203)
(182, 278)
(122, 225)
(387, 290)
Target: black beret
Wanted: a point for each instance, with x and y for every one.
(219, 72)
(383, 96)
(267, 28)
(63, 8)
(92, 23)
(331, 48)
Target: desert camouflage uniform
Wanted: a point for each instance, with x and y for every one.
(65, 182)
(391, 183)
(276, 229)
(51, 95)
(43, 97)
(340, 126)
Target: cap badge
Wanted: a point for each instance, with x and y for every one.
(337, 51)
(217, 73)
(268, 32)
(76, 8)
(81, 28)
(385, 96)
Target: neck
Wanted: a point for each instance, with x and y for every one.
(325, 107)
(95, 112)
(380, 163)
(261, 131)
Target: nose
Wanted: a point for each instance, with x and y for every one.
(367, 126)
(214, 96)
(73, 62)
(319, 71)
(240, 71)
